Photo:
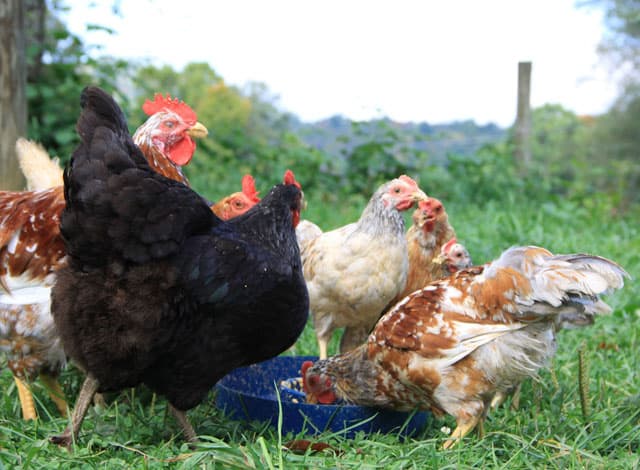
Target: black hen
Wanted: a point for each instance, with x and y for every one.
(158, 290)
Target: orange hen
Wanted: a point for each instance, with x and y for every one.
(425, 238)
(452, 345)
(31, 250)
(237, 203)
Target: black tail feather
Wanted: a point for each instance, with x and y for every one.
(99, 109)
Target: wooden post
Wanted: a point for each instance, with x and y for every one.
(13, 99)
(522, 125)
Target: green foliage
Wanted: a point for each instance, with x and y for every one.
(59, 66)
(615, 166)
(621, 43)
(377, 154)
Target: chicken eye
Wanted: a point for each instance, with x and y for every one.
(170, 124)
(238, 204)
(396, 190)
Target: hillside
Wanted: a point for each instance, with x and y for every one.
(338, 135)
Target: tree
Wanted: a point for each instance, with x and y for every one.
(621, 42)
(616, 140)
(54, 85)
(13, 103)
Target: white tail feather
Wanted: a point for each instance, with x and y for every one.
(41, 171)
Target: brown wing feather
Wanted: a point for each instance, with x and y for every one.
(30, 240)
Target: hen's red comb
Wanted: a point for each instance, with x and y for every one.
(290, 178)
(160, 103)
(447, 246)
(408, 180)
(249, 188)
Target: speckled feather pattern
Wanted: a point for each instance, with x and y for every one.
(452, 345)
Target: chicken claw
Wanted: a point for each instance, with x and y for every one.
(461, 430)
(88, 390)
(26, 399)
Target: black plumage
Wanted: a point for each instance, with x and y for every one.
(158, 290)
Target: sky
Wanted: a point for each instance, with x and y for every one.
(421, 61)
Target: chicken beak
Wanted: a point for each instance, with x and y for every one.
(198, 131)
(418, 196)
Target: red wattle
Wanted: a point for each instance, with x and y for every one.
(181, 153)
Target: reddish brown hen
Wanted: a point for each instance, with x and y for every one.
(452, 345)
(31, 250)
(425, 238)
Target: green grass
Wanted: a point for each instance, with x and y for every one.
(548, 431)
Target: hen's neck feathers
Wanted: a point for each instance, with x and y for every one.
(155, 156)
(270, 222)
(354, 376)
(378, 218)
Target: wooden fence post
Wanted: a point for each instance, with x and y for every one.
(522, 125)
(13, 99)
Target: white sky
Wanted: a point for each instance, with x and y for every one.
(433, 61)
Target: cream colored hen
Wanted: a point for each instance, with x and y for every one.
(352, 272)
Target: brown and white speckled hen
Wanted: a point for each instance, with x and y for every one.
(158, 290)
(354, 271)
(31, 251)
(452, 345)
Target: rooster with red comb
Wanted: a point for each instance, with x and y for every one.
(166, 138)
(32, 250)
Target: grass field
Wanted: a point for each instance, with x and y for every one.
(548, 430)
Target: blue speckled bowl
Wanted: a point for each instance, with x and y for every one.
(250, 393)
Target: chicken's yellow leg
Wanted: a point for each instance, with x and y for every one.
(460, 431)
(498, 399)
(322, 346)
(55, 392)
(515, 398)
(26, 400)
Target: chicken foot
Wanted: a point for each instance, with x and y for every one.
(462, 430)
(181, 417)
(88, 390)
(55, 392)
(26, 399)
